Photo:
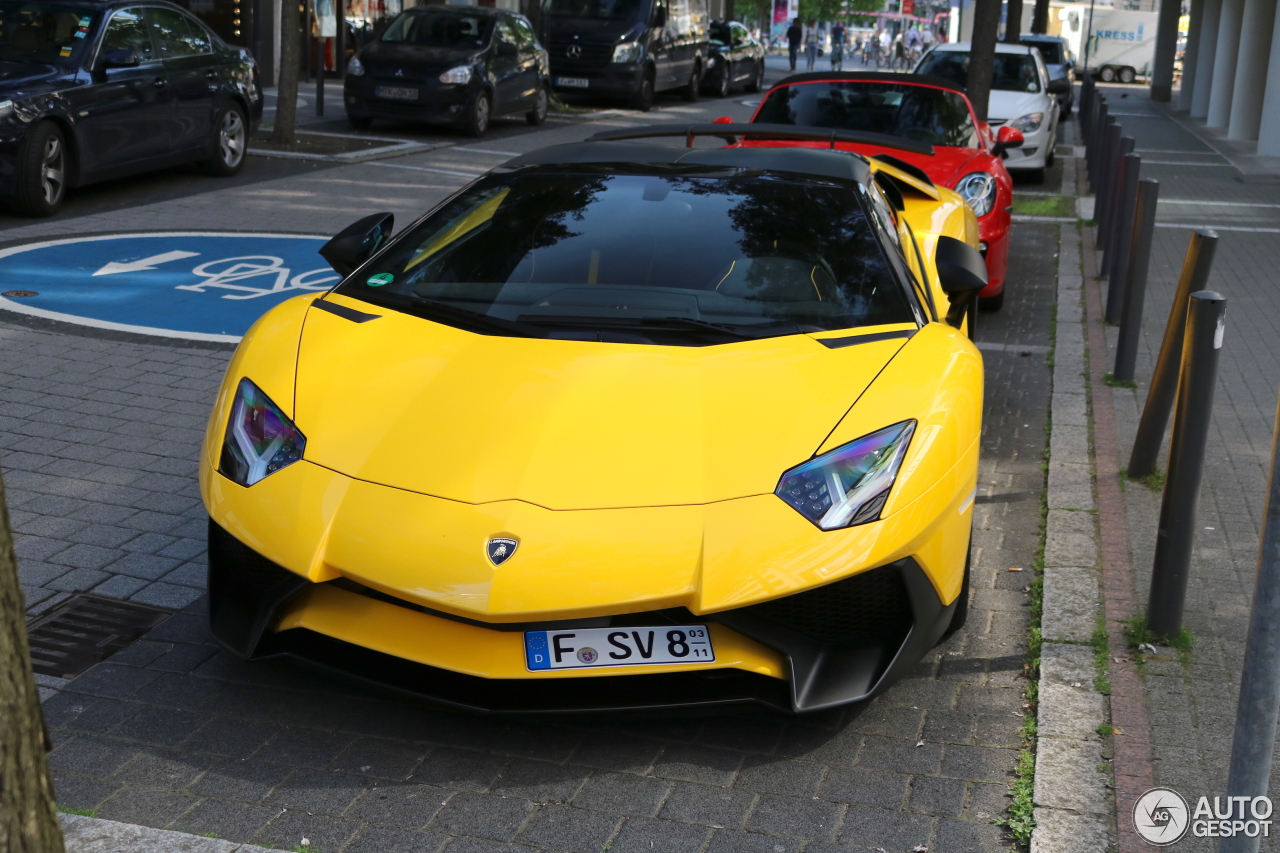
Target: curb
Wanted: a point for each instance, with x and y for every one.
(95, 835)
(1073, 804)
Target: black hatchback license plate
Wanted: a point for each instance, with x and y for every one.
(396, 93)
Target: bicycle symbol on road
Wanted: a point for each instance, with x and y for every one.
(262, 270)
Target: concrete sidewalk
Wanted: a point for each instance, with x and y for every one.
(1191, 705)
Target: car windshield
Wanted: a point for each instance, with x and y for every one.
(1014, 72)
(922, 113)
(608, 10)
(440, 29)
(671, 258)
(42, 32)
(1050, 51)
(719, 34)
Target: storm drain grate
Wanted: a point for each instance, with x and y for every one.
(86, 629)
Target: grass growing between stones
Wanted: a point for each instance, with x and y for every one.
(1053, 205)
(1153, 481)
(1111, 381)
(81, 812)
(1137, 632)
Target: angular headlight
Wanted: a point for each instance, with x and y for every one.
(979, 189)
(849, 485)
(459, 75)
(260, 440)
(1029, 123)
(628, 52)
(6, 109)
(355, 68)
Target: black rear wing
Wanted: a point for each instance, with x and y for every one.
(733, 133)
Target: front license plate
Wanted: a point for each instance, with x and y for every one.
(396, 93)
(583, 649)
(573, 82)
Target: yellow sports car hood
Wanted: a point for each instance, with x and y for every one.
(405, 402)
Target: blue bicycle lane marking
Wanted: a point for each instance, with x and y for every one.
(208, 286)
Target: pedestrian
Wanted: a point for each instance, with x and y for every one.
(837, 46)
(811, 39)
(794, 35)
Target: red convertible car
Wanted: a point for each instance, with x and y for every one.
(926, 122)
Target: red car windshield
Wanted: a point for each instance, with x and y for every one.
(921, 113)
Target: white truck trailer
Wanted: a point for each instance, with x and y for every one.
(1115, 45)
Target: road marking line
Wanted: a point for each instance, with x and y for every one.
(1025, 218)
(1194, 226)
(1208, 153)
(489, 151)
(1185, 163)
(427, 169)
(990, 346)
(1217, 203)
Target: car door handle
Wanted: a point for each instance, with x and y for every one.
(160, 82)
(211, 75)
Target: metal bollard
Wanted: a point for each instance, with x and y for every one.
(1120, 242)
(1091, 156)
(1134, 287)
(1115, 194)
(1255, 733)
(1088, 95)
(1164, 379)
(1176, 532)
(1095, 166)
(1108, 163)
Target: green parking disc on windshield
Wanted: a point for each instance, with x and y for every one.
(380, 279)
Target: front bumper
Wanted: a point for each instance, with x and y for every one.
(814, 650)
(437, 103)
(609, 81)
(1034, 151)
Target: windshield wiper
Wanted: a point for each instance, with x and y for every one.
(473, 321)
(740, 332)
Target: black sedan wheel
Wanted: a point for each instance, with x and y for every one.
(230, 141)
(726, 78)
(538, 114)
(42, 172)
(757, 82)
(478, 122)
(643, 98)
(690, 90)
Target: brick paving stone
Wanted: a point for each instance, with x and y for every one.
(383, 839)
(566, 828)
(485, 817)
(147, 807)
(706, 804)
(645, 835)
(232, 821)
(622, 793)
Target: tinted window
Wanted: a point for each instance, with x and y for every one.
(177, 35)
(740, 33)
(440, 29)
(921, 113)
(1050, 50)
(1014, 72)
(524, 32)
(39, 32)
(127, 31)
(611, 251)
(609, 10)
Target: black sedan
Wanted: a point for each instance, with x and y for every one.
(457, 65)
(92, 90)
(736, 59)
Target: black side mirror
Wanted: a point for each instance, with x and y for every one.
(660, 16)
(962, 273)
(120, 58)
(1060, 85)
(357, 243)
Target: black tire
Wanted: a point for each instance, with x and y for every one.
(478, 115)
(230, 141)
(757, 82)
(642, 100)
(538, 114)
(1107, 74)
(961, 614)
(690, 90)
(1128, 75)
(726, 80)
(42, 169)
(359, 122)
(992, 304)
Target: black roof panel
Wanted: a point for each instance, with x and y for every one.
(870, 77)
(814, 162)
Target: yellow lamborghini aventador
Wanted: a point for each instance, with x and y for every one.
(617, 426)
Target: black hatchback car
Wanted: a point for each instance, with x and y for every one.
(458, 65)
(91, 91)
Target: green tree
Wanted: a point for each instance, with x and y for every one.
(865, 6)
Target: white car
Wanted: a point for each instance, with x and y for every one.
(1020, 98)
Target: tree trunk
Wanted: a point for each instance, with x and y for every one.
(28, 818)
(1040, 18)
(1013, 22)
(982, 54)
(729, 11)
(287, 85)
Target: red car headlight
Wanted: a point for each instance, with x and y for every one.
(979, 189)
